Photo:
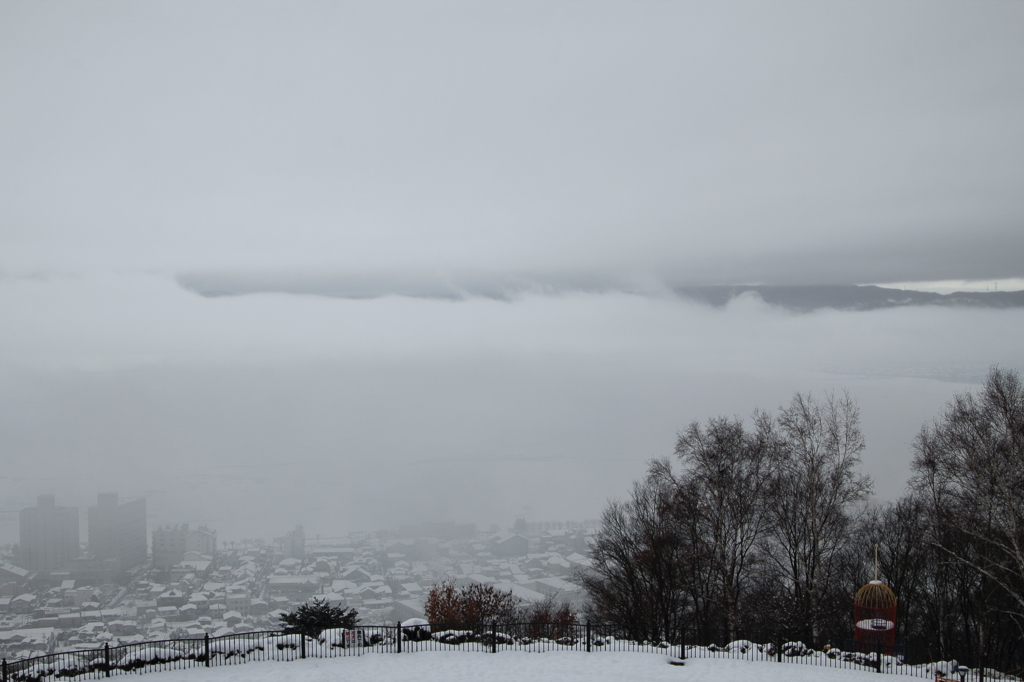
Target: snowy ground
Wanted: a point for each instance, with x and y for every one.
(516, 666)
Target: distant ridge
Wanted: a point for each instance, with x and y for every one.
(508, 286)
(850, 297)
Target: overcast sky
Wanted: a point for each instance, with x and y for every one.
(542, 173)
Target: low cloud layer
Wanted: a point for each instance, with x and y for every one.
(410, 283)
(509, 287)
(257, 412)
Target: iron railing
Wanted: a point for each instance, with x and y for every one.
(173, 654)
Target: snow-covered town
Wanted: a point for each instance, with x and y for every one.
(512, 340)
(190, 584)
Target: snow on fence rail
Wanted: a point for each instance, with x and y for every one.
(420, 636)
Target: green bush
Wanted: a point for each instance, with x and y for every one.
(317, 615)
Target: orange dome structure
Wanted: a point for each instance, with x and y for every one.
(874, 615)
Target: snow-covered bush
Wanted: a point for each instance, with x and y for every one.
(148, 655)
(416, 629)
(283, 642)
(453, 636)
(229, 648)
(792, 649)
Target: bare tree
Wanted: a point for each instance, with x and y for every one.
(471, 605)
(638, 577)
(723, 489)
(549, 619)
(970, 465)
(816, 489)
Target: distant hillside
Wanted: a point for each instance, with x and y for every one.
(851, 297)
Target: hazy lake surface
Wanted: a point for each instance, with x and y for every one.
(255, 413)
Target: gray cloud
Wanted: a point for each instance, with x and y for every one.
(413, 284)
(509, 287)
(790, 143)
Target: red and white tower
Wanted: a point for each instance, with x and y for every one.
(874, 616)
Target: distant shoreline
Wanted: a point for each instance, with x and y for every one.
(809, 298)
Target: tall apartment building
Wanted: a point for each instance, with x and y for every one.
(117, 530)
(172, 542)
(293, 544)
(49, 535)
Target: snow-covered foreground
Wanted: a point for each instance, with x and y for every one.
(516, 666)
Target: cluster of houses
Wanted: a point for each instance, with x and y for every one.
(154, 604)
(385, 577)
(533, 568)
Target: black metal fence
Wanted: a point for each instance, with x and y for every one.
(491, 638)
(879, 658)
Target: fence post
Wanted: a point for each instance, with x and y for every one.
(106, 657)
(5, 670)
(682, 643)
(206, 643)
(588, 636)
(878, 652)
(302, 638)
(398, 629)
(494, 637)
